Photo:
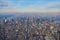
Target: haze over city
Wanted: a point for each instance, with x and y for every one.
(29, 19)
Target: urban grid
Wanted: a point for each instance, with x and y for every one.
(29, 28)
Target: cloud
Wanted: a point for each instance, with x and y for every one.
(28, 6)
(5, 4)
(52, 5)
(39, 4)
(42, 5)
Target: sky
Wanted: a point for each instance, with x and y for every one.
(29, 6)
